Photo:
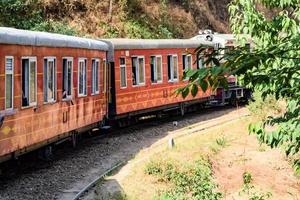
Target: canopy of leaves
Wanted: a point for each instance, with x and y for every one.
(273, 66)
(28, 14)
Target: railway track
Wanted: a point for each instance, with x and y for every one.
(193, 130)
(93, 156)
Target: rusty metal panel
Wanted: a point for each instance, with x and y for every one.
(24, 127)
(133, 98)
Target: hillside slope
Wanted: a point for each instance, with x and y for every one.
(129, 18)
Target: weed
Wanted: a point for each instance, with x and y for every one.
(192, 181)
(250, 190)
(153, 168)
(222, 142)
(247, 178)
(261, 108)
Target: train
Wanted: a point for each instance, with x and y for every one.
(54, 87)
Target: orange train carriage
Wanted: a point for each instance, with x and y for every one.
(50, 86)
(147, 72)
(53, 87)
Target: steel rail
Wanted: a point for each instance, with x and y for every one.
(95, 181)
(119, 164)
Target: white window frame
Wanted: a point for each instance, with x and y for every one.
(12, 88)
(50, 59)
(155, 67)
(185, 62)
(69, 59)
(123, 66)
(93, 77)
(200, 62)
(105, 65)
(84, 94)
(30, 59)
(137, 71)
(172, 69)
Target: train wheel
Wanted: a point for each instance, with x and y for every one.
(46, 153)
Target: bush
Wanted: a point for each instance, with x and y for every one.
(54, 27)
(20, 13)
(262, 108)
(193, 181)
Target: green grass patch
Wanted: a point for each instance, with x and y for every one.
(188, 181)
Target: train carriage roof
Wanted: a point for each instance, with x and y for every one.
(126, 44)
(154, 43)
(34, 38)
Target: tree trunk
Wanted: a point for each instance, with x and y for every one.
(110, 11)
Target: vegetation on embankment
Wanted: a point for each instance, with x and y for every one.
(221, 162)
(128, 18)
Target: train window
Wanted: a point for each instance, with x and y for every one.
(200, 62)
(29, 82)
(67, 78)
(172, 68)
(156, 69)
(95, 76)
(82, 77)
(187, 62)
(123, 79)
(138, 70)
(9, 82)
(49, 79)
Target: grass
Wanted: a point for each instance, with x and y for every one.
(178, 173)
(188, 181)
(188, 170)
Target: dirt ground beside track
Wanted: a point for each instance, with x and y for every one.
(270, 169)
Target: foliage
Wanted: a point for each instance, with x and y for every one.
(189, 182)
(273, 67)
(247, 178)
(222, 142)
(250, 190)
(27, 14)
(55, 27)
(110, 31)
(21, 14)
(261, 108)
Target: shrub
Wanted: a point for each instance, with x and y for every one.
(54, 27)
(262, 108)
(20, 14)
(189, 182)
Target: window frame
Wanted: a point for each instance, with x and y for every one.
(51, 58)
(30, 59)
(161, 69)
(200, 59)
(95, 92)
(12, 88)
(124, 66)
(172, 80)
(68, 97)
(84, 60)
(137, 71)
(185, 61)
(105, 75)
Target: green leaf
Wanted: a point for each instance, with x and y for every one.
(194, 90)
(185, 92)
(203, 84)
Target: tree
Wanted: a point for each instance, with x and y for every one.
(273, 67)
